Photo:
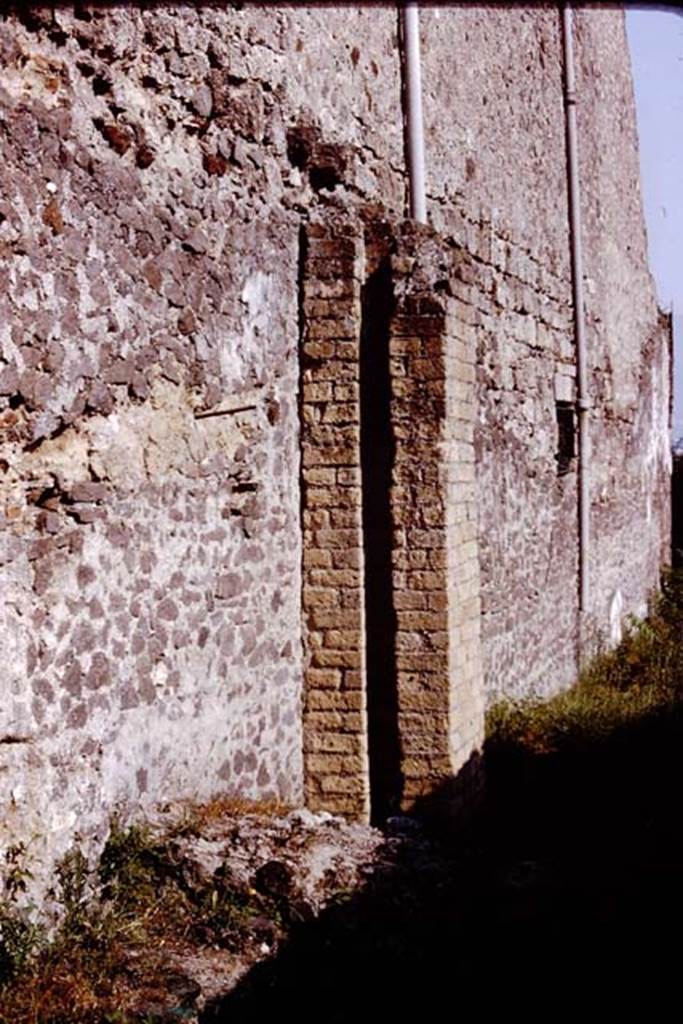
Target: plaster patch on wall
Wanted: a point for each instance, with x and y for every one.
(135, 443)
(654, 422)
(259, 295)
(616, 607)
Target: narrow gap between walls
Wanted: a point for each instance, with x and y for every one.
(377, 460)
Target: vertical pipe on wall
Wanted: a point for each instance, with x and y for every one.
(582, 400)
(413, 99)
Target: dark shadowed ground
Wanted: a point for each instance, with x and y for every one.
(567, 891)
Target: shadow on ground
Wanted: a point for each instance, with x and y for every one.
(567, 889)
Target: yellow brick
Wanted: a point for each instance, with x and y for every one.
(333, 700)
(323, 658)
(424, 768)
(334, 619)
(319, 597)
(339, 290)
(330, 764)
(316, 558)
(329, 456)
(349, 807)
(342, 412)
(344, 518)
(411, 642)
(349, 476)
(417, 662)
(335, 577)
(316, 518)
(347, 393)
(420, 580)
(410, 601)
(341, 784)
(421, 620)
(318, 392)
(320, 477)
(425, 700)
(352, 679)
(336, 538)
(335, 498)
(342, 743)
(329, 329)
(314, 639)
(425, 539)
(341, 639)
(334, 721)
(323, 678)
(348, 559)
(312, 414)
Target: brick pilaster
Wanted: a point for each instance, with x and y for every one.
(435, 556)
(467, 699)
(335, 728)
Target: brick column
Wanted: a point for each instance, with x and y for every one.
(335, 728)
(435, 557)
(467, 698)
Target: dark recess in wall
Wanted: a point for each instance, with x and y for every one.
(377, 458)
(677, 511)
(566, 434)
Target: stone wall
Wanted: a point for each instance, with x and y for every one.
(158, 166)
(151, 538)
(628, 342)
(497, 181)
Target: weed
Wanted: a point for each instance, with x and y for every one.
(20, 936)
(73, 877)
(642, 679)
(131, 868)
(17, 874)
(196, 818)
(223, 913)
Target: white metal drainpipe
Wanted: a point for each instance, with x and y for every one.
(413, 96)
(582, 400)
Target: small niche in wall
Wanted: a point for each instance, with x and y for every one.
(566, 435)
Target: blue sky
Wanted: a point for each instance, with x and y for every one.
(656, 42)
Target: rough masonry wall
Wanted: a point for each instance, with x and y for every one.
(522, 324)
(157, 164)
(494, 124)
(628, 343)
(498, 72)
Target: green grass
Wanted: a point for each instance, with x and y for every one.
(641, 680)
